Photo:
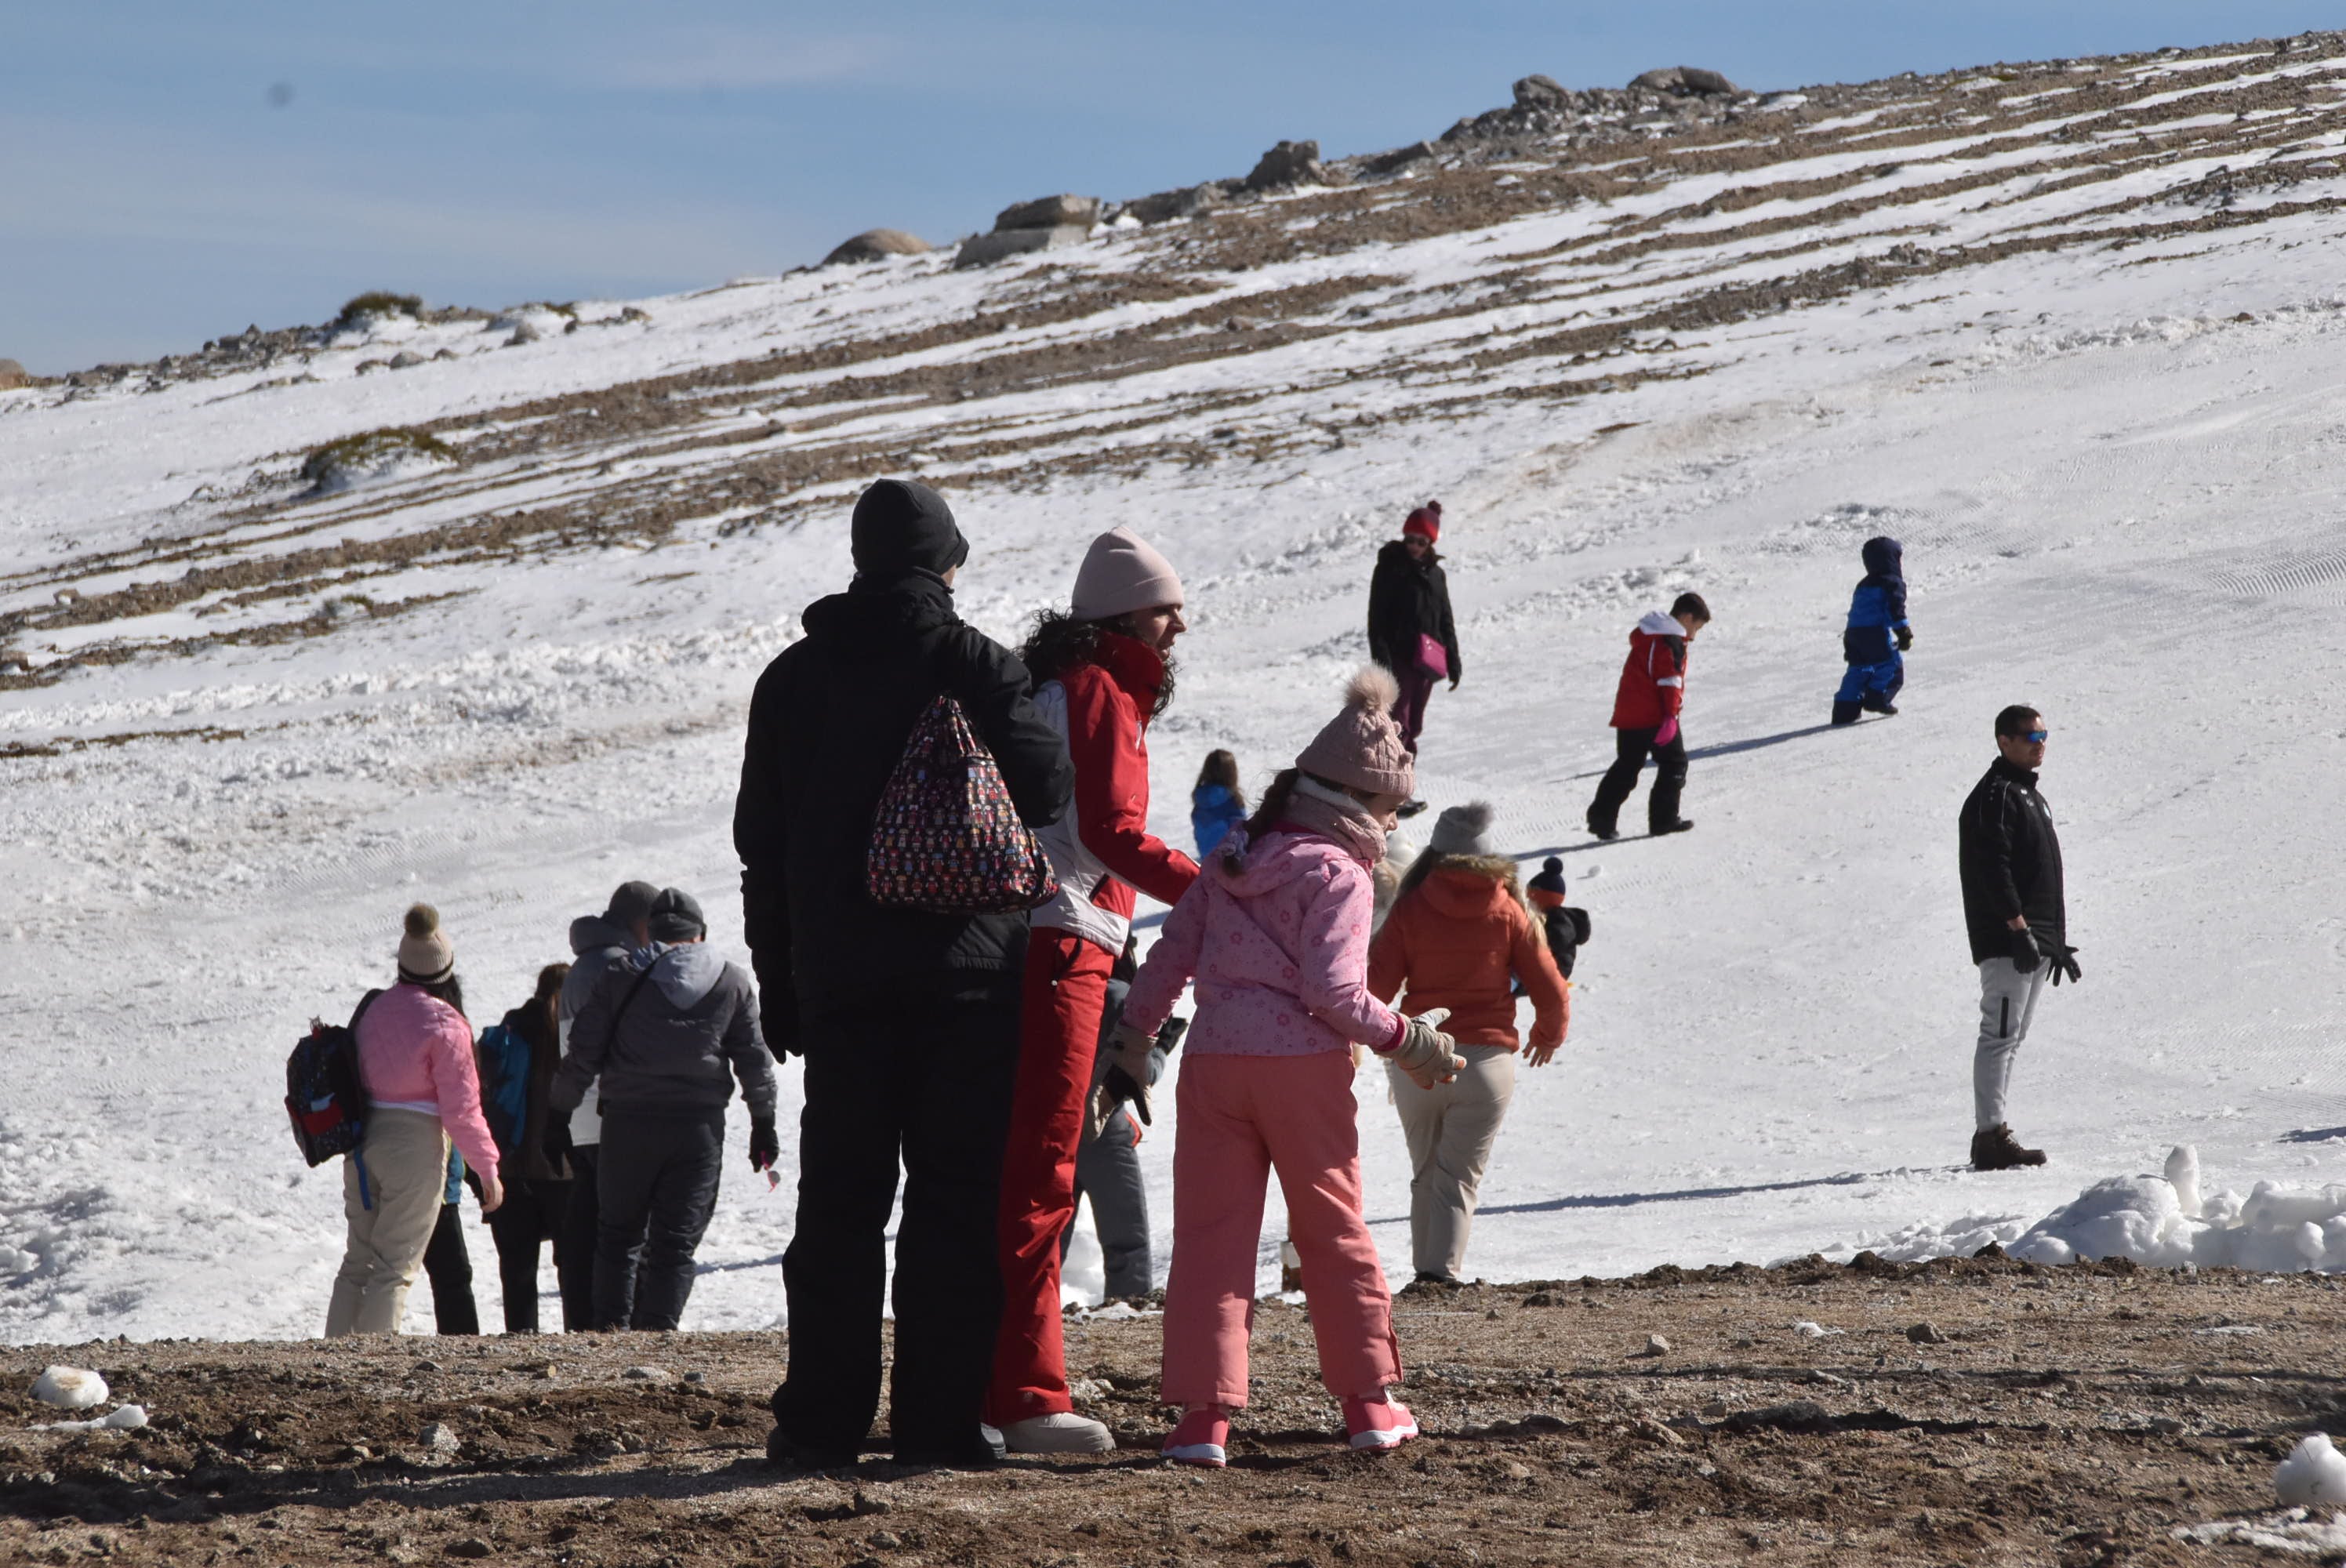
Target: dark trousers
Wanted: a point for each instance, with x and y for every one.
(1416, 685)
(527, 1217)
(1107, 1171)
(1620, 781)
(574, 1242)
(657, 1174)
(926, 1081)
(450, 1269)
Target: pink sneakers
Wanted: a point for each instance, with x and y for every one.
(1377, 1425)
(1203, 1438)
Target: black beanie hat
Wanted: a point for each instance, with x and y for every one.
(676, 917)
(1550, 879)
(903, 526)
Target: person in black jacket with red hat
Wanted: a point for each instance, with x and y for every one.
(908, 1021)
(2013, 913)
(1411, 632)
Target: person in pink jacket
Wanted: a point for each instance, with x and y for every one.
(415, 1058)
(1275, 932)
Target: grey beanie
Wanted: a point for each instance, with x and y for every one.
(676, 917)
(1462, 831)
(632, 901)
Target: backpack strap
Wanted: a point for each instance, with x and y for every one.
(365, 1002)
(630, 996)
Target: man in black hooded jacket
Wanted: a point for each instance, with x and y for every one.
(908, 1021)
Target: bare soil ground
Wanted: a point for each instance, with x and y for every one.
(2069, 1416)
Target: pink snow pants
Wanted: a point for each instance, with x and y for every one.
(1242, 1118)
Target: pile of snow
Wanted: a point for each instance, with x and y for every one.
(2291, 1531)
(69, 1388)
(122, 1419)
(2314, 1473)
(2162, 1220)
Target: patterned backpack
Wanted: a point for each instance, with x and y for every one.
(946, 839)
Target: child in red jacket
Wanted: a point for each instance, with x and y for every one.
(1645, 719)
(1101, 675)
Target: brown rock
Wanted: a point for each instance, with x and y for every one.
(876, 244)
(12, 374)
(1049, 212)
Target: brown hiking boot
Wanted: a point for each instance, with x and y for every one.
(1996, 1149)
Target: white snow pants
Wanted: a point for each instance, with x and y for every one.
(406, 1157)
(1450, 1129)
(2007, 1002)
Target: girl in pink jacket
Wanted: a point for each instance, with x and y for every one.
(1275, 932)
(415, 1058)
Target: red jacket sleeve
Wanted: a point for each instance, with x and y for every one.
(1112, 791)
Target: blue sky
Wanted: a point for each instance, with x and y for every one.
(152, 195)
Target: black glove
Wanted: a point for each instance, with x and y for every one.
(765, 1143)
(2064, 960)
(777, 1003)
(1905, 639)
(1454, 683)
(2026, 954)
(555, 1142)
(1119, 1087)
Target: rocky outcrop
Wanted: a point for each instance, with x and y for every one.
(876, 245)
(1043, 224)
(12, 375)
(1686, 79)
(1291, 163)
(1049, 212)
(1187, 203)
(1398, 158)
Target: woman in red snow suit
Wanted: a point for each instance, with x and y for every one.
(1101, 675)
(1645, 719)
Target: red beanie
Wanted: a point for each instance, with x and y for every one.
(1425, 522)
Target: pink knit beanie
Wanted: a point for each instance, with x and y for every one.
(1122, 573)
(1362, 746)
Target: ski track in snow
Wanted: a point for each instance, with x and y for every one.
(2115, 472)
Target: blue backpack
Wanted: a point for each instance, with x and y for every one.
(324, 1095)
(503, 1058)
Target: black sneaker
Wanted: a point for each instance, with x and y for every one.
(1607, 834)
(1409, 808)
(1996, 1149)
(1682, 825)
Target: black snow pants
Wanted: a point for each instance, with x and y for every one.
(926, 1081)
(1620, 781)
(574, 1242)
(450, 1268)
(531, 1212)
(657, 1175)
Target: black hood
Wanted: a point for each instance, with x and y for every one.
(1884, 557)
(880, 612)
(900, 527)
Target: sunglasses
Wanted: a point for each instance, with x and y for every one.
(2035, 737)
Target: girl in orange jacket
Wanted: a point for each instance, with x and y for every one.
(1458, 937)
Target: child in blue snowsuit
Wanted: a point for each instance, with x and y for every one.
(1877, 634)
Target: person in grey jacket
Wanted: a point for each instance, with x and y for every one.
(598, 944)
(667, 1032)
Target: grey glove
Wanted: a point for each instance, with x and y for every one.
(1427, 1054)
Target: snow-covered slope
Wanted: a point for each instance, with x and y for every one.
(2071, 331)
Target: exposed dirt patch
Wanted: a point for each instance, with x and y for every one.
(2072, 1416)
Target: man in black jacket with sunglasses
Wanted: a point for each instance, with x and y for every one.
(2011, 863)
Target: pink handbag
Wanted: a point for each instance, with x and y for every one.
(1432, 656)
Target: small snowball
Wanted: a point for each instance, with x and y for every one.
(128, 1419)
(2315, 1473)
(69, 1388)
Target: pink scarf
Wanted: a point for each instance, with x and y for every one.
(1336, 816)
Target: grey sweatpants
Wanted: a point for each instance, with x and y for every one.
(1107, 1171)
(2007, 1002)
(1450, 1129)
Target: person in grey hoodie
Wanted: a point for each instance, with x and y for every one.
(667, 1032)
(598, 944)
